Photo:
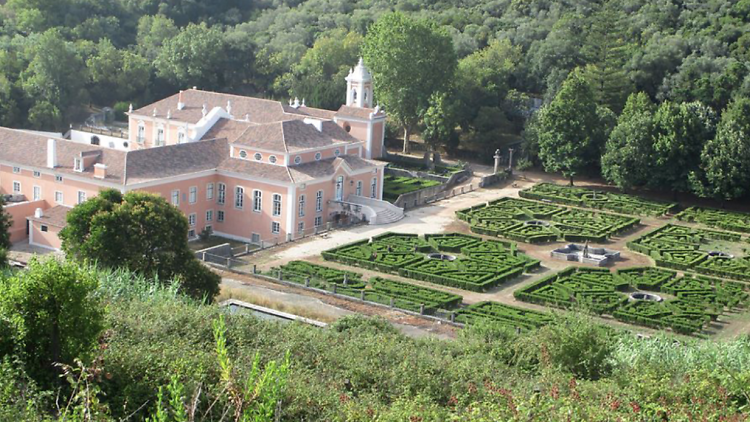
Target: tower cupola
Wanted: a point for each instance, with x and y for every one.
(359, 86)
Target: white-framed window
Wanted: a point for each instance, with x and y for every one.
(208, 228)
(37, 193)
(44, 228)
(359, 188)
(176, 197)
(318, 221)
(16, 170)
(59, 197)
(373, 187)
(209, 191)
(243, 153)
(222, 194)
(16, 187)
(239, 197)
(319, 201)
(192, 219)
(81, 197)
(301, 226)
(276, 205)
(181, 137)
(272, 159)
(159, 136)
(275, 227)
(37, 173)
(318, 156)
(297, 159)
(193, 194)
(141, 137)
(258, 156)
(58, 179)
(257, 200)
(209, 216)
(220, 216)
(302, 205)
(77, 164)
(337, 152)
(191, 234)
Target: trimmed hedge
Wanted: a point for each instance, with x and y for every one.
(480, 264)
(531, 222)
(589, 198)
(720, 219)
(509, 316)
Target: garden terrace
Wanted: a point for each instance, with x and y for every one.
(503, 314)
(702, 251)
(388, 292)
(395, 186)
(695, 302)
(589, 198)
(720, 219)
(533, 222)
(479, 264)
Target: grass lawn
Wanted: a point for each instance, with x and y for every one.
(395, 186)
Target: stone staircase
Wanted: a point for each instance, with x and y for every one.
(383, 212)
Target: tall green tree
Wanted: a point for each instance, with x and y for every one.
(116, 75)
(628, 156)
(194, 57)
(571, 129)
(440, 121)
(725, 161)
(52, 316)
(411, 59)
(138, 231)
(320, 77)
(681, 131)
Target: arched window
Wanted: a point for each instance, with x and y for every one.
(95, 140)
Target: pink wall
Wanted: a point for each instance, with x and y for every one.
(47, 239)
(377, 139)
(18, 213)
(47, 184)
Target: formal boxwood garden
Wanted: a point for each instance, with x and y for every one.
(502, 314)
(693, 303)
(589, 198)
(533, 222)
(380, 290)
(478, 265)
(720, 219)
(689, 249)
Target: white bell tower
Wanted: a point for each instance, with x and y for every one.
(359, 86)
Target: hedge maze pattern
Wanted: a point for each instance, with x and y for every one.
(679, 247)
(380, 290)
(502, 314)
(695, 300)
(589, 198)
(534, 222)
(720, 219)
(479, 264)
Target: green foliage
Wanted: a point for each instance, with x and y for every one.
(138, 231)
(411, 60)
(50, 315)
(504, 315)
(5, 222)
(395, 186)
(195, 56)
(720, 219)
(533, 222)
(571, 129)
(725, 160)
(590, 198)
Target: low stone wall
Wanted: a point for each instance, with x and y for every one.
(216, 254)
(494, 179)
(419, 197)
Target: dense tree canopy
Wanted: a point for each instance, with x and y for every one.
(140, 232)
(412, 61)
(5, 222)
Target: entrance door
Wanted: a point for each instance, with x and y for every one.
(340, 188)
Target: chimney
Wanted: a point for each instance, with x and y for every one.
(318, 124)
(296, 102)
(180, 104)
(38, 213)
(51, 153)
(229, 107)
(100, 171)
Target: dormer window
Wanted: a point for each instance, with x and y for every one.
(77, 164)
(243, 153)
(318, 156)
(272, 159)
(258, 156)
(297, 159)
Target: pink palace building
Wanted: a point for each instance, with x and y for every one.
(249, 169)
